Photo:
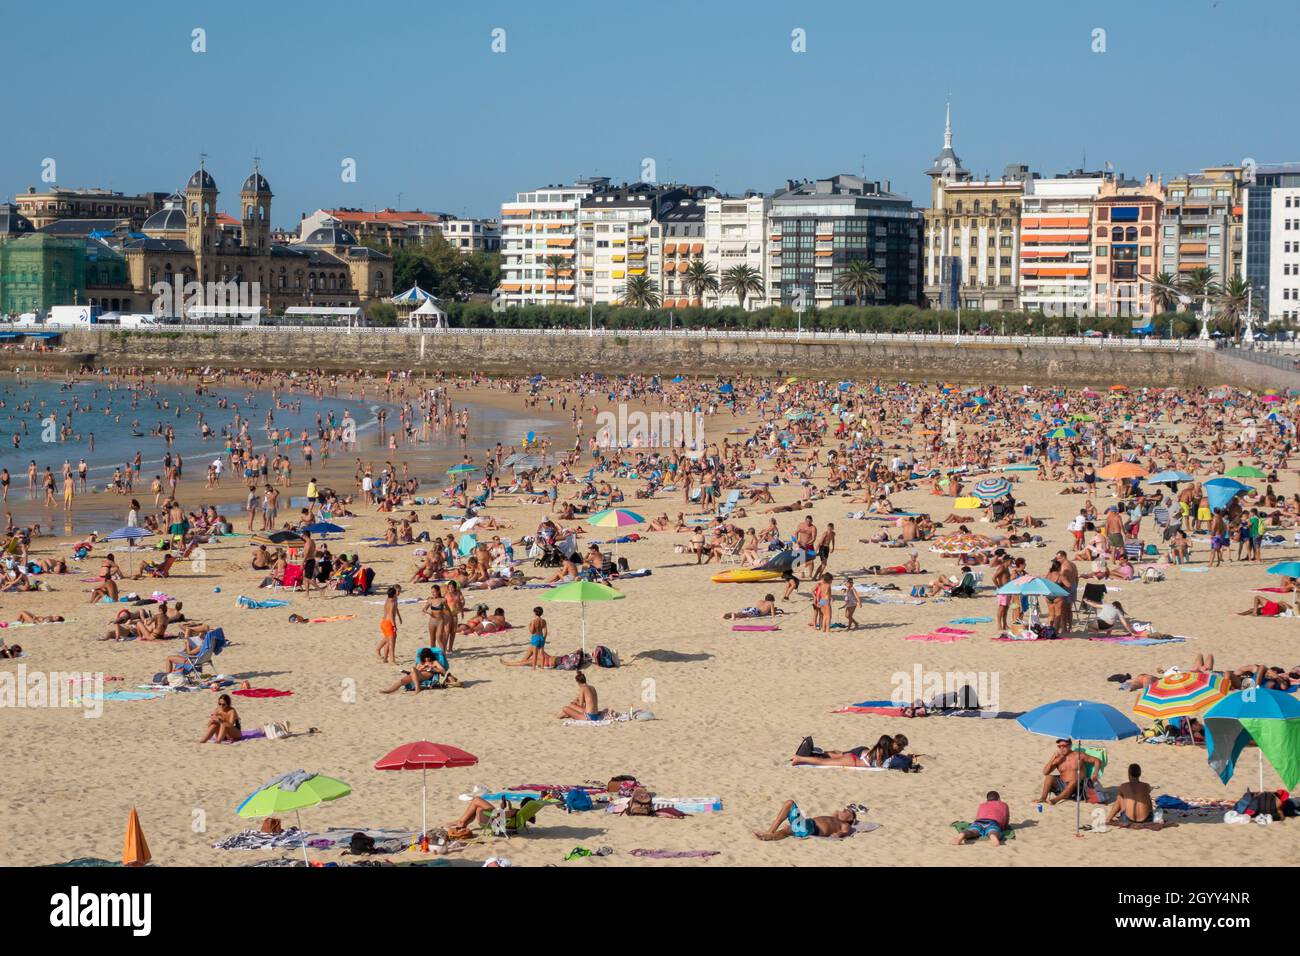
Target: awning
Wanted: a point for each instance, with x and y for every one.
(509, 287)
(697, 248)
(561, 243)
(516, 212)
(670, 248)
(1192, 248)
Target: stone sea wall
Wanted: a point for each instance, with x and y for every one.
(971, 362)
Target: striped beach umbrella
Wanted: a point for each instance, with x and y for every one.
(1063, 433)
(961, 543)
(614, 518)
(1181, 695)
(990, 489)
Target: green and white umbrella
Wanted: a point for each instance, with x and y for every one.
(582, 592)
(272, 799)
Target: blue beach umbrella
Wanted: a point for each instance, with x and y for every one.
(1288, 569)
(1168, 478)
(1078, 720)
(1268, 717)
(991, 489)
(324, 527)
(1033, 587)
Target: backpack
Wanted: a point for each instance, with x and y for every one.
(577, 800)
(603, 656)
(361, 843)
(569, 662)
(641, 803)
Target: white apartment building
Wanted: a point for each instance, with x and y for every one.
(735, 234)
(614, 241)
(1055, 244)
(1284, 255)
(471, 235)
(1271, 260)
(539, 223)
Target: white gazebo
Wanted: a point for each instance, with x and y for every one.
(429, 313)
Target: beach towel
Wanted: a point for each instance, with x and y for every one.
(972, 620)
(961, 826)
(263, 692)
(754, 627)
(252, 605)
(674, 854)
(610, 718)
(330, 620)
(122, 695)
(814, 766)
(257, 733)
(936, 638)
(952, 630)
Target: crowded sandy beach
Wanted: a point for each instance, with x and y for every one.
(690, 620)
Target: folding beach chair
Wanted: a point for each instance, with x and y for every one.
(729, 505)
(500, 825)
(1133, 550)
(1085, 613)
(214, 642)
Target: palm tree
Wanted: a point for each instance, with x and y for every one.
(1232, 302)
(555, 264)
(700, 278)
(742, 281)
(859, 279)
(1199, 283)
(641, 292)
(1164, 294)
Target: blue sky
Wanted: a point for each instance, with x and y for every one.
(712, 91)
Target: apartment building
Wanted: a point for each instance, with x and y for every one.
(1126, 230)
(680, 228)
(817, 227)
(971, 233)
(394, 228)
(1055, 268)
(44, 207)
(1201, 224)
(539, 223)
(735, 234)
(1271, 258)
(471, 235)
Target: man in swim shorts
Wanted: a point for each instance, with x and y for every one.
(791, 822)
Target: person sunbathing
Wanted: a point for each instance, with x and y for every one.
(876, 756)
(585, 705)
(791, 822)
(426, 668)
(764, 608)
(568, 571)
(223, 723)
(1265, 607)
(992, 820)
(912, 566)
(1062, 774)
(479, 812)
(27, 617)
(1133, 801)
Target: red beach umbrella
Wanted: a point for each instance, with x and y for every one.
(423, 756)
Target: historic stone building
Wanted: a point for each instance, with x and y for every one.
(188, 240)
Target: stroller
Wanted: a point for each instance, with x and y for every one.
(551, 557)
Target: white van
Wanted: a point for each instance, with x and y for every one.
(137, 320)
(73, 315)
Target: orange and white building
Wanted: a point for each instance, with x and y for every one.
(1055, 268)
(539, 225)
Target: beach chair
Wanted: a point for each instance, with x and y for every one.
(522, 818)
(162, 569)
(1084, 613)
(729, 505)
(1133, 550)
(436, 680)
(214, 642)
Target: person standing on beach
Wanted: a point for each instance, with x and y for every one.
(387, 649)
(804, 537)
(308, 561)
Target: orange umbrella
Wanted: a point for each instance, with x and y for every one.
(135, 851)
(1122, 469)
(1119, 388)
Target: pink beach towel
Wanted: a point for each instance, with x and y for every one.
(263, 692)
(878, 711)
(754, 627)
(935, 638)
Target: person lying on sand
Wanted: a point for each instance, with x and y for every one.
(790, 822)
(863, 756)
(764, 608)
(1061, 774)
(1265, 607)
(992, 820)
(911, 566)
(27, 617)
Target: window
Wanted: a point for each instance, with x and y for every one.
(1144, 251)
(1101, 252)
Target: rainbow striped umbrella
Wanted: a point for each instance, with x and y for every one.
(1181, 695)
(991, 489)
(961, 543)
(614, 518)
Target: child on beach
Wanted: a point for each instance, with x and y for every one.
(851, 604)
(386, 650)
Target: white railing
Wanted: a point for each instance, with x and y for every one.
(777, 335)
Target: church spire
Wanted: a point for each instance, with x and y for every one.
(947, 126)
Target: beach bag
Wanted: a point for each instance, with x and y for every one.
(362, 843)
(641, 803)
(623, 785)
(569, 662)
(276, 730)
(577, 800)
(603, 656)
(272, 826)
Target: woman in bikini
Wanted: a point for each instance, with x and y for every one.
(223, 723)
(434, 607)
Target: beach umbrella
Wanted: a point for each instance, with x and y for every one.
(273, 798)
(1032, 586)
(1220, 491)
(324, 527)
(1245, 471)
(1170, 478)
(1078, 720)
(1181, 695)
(615, 518)
(991, 489)
(130, 534)
(461, 469)
(135, 850)
(278, 538)
(582, 592)
(1083, 418)
(1063, 433)
(961, 543)
(466, 545)
(1270, 718)
(1270, 399)
(1119, 388)
(425, 756)
(1121, 470)
(1287, 569)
